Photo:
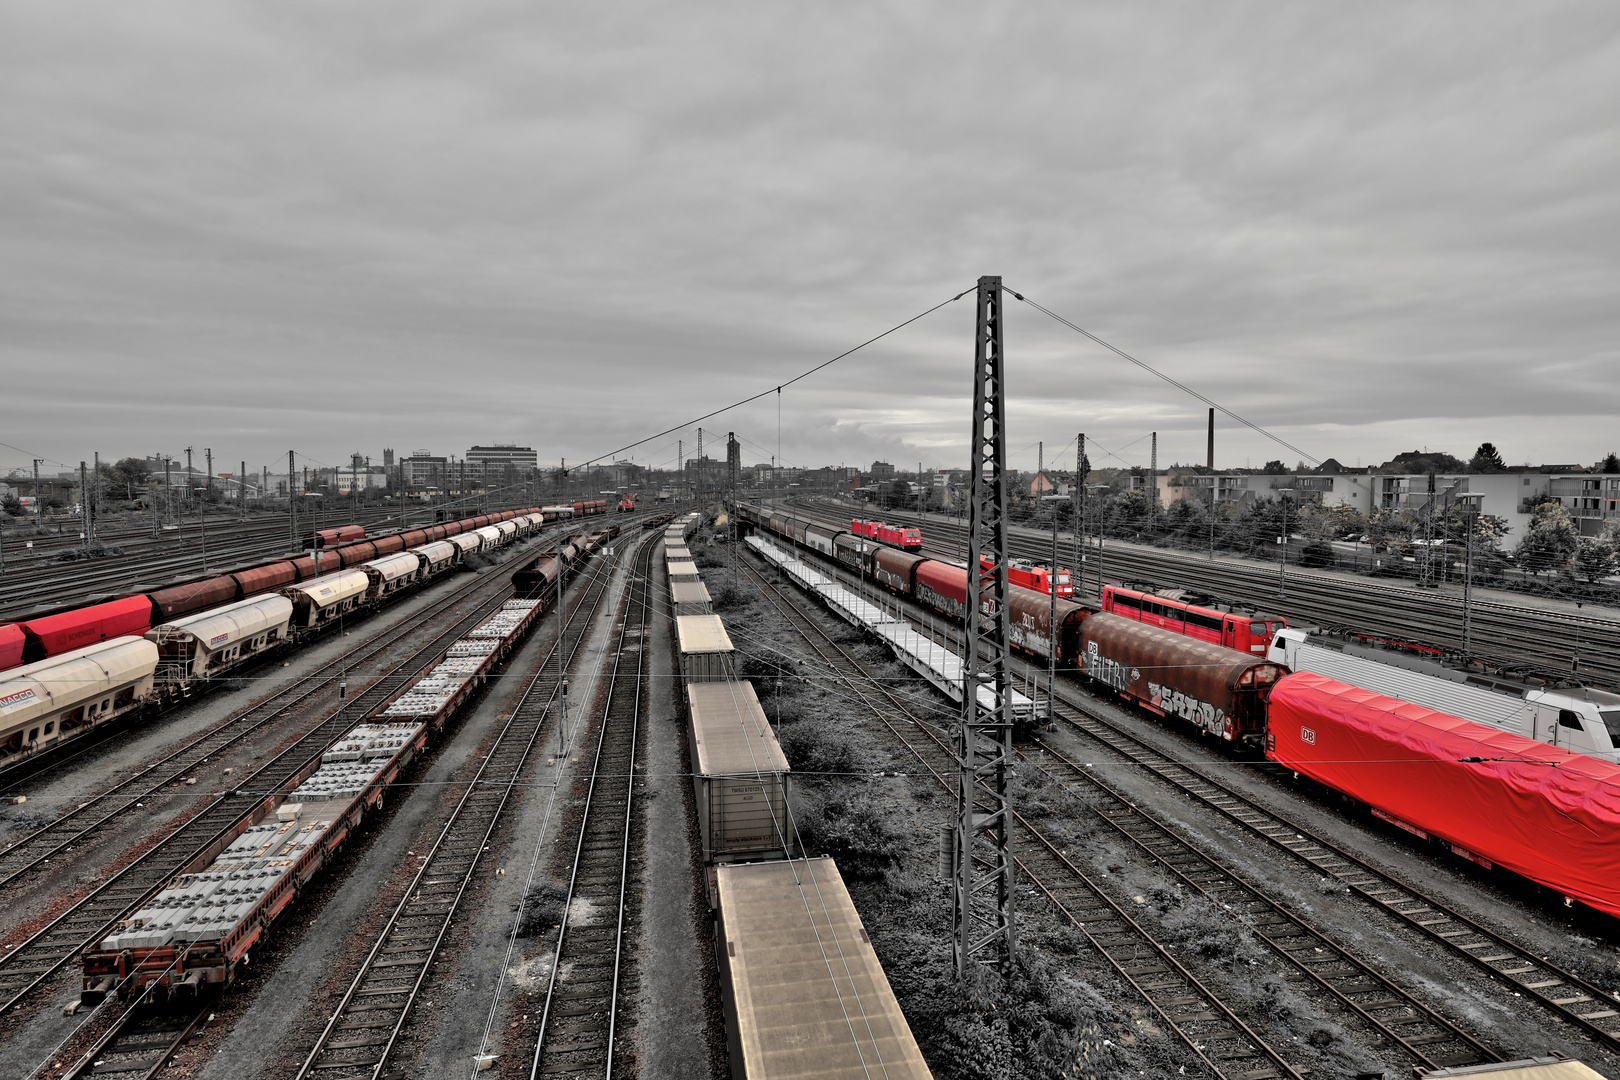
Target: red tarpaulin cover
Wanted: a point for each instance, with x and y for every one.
(1548, 814)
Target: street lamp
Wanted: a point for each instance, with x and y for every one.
(1283, 494)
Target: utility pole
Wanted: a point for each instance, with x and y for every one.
(168, 490)
(208, 481)
(188, 476)
(982, 858)
(84, 507)
(292, 500)
(95, 494)
(700, 467)
(241, 487)
(1077, 573)
(1153, 485)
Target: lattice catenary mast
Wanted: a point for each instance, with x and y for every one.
(982, 854)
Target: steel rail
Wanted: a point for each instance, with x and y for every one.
(1386, 1007)
(65, 833)
(1210, 1028)
(29, 964)
(360, 1041)
(591, 1023)
(1573, 999)
(1583, 1004)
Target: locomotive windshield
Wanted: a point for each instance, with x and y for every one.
(1611, 720)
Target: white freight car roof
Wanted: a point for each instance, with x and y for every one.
(733, 737)
(62, 681)
(702, 634)
(237, 621)
(808, 995)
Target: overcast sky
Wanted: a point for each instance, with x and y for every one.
(339, 227)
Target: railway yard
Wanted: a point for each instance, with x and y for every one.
(580, 792)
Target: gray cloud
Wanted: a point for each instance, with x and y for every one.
(1366, 227)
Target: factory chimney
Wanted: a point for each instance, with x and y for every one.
(1211, 457)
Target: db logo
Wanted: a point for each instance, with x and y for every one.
(1307, 735)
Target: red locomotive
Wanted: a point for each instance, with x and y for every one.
(1244, 631)
(1032, 575)
(894, 535)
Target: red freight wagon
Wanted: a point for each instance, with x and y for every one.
(1218, 690)
(317, 564)
(416, 538)
(388, 545)
(943, 587)
(579, 509)
(355, 554)
(344, 534)
(11, 645)
(1029, 623)
(1243, 631)
(895, 568)
(178, 600)
(260, 579)
(57, 634)
(1540, 811)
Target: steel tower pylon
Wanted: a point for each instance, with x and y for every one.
(982, 856)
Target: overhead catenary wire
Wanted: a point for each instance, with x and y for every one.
(776, 388)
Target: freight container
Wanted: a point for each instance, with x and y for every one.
(1220, 691)
(706, 652)
(683, 571)
(317, 564)
(1582, 720)
(537, 578)
(326, 598)
(739, 773)
(1542, 812)
(12, 640)
(437, 557)
(177, 600)
(262, 579)
(466, 544)
(677, 553)
(200, 646)
(64, 695)
(388, 545)
(355, 554)
(1029, 622)
(793, 959)
(391, 573)
(896, 569)
(820, 538)
(326, 538)
(854, 552)
(690, 598)
(54, 635)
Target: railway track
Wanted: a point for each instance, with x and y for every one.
(1576, 1001)
(140, 1043)
(1513, 639)
(31, 854)
(1211, 1029)
(579, 1026)
(360, 1036)
(1584, 1005)
(29, 965)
